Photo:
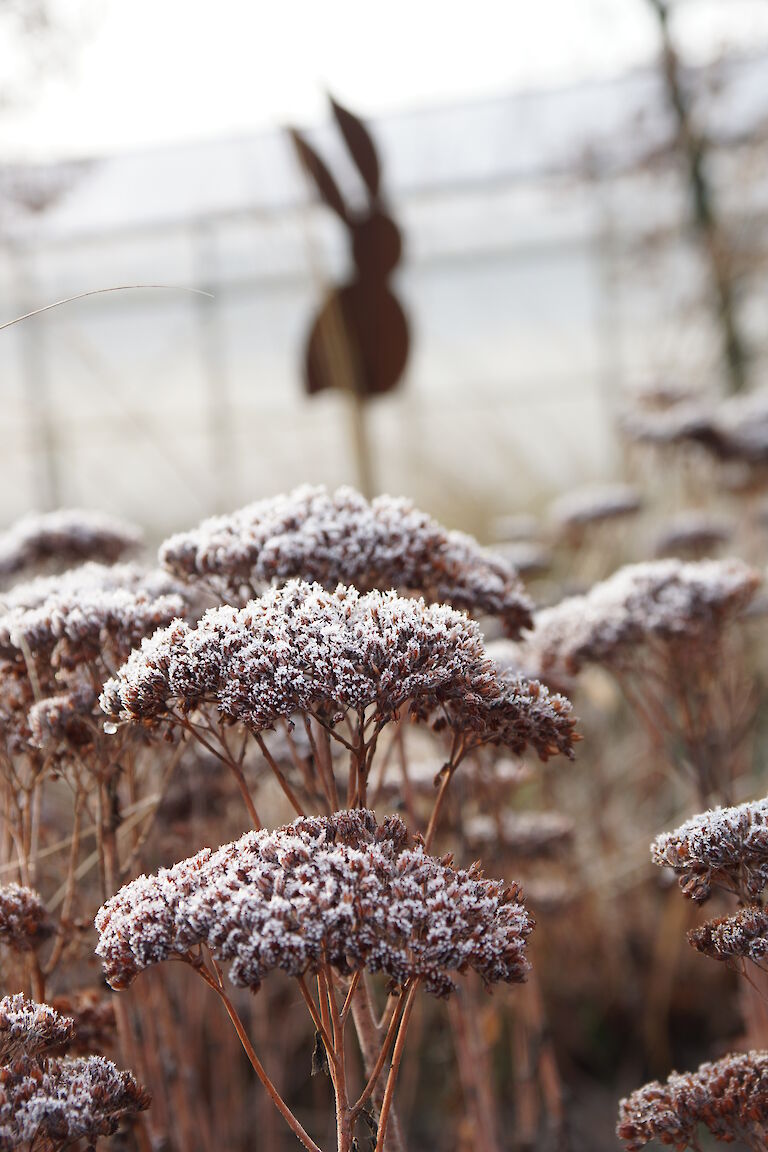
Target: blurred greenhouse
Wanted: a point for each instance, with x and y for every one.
(548, 268)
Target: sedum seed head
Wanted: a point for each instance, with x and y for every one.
(67, 536)
(664, 601)
(24, 922)
(340, 888)
(28, 1028)
(729, 1097)
(743, 935)
(51, 1104)
(70, 619)
(722, 848)
(301, 649)
(341, 538)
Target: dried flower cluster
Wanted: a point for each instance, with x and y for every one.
(521, 834)
(94, 1020)
(665, 600)
(336, 538)
(728, 1097)
(28, 1028)
(51, 1104)
(74, 617)
(24, 921)
(67, 536)
(61, 635)
(300, 648)
(595, 505)
(743, 935)
(692, 533)
(734, 429)
(724, 848)
(338, 888)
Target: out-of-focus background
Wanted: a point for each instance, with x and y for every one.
(537, 158)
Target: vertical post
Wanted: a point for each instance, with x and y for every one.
(608, 308)
(705, 218)
(213, 358)
(40, 419)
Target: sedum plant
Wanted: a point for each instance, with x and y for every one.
(325, 898)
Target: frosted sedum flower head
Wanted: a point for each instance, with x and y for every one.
(24, 922)
(52, 1104)
(69, 619)
(338, 888)
(300, 648)
(662, 600)
(28, 1028)
(68, 536)
(692, 532)
(729, 1097)
(596, 504)
(341, 538)
(743, 935)
(723, 848)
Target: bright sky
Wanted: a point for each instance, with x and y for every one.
(144, 72)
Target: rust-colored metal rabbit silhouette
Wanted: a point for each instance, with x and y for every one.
(359, 340)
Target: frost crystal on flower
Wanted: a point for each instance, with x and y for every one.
(744, 934)
(336, 538)
(300, 648)
(24, 923)
(51, 1104)
(665, 600)
(339, 887)
(68, 536)
(723, 848)
(729, 1097)
(28, 1028)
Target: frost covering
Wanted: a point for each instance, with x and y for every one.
(339, 888)
(300, 648)
(662, 600)
(73, 615)
(723, 848)
(744, 934)
(52, 1104)
(66, 537)
(28, 1028)
(729, 1097)
(317, 536)
(24, 923)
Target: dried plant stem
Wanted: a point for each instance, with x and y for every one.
(321, 749)
(234, 768)
(300, 763)
(549, 1076)
(397, 1056)
(377, 1067)
(288, 791)
(374, 1052)
(69, 890)
(754, 1004)
(216, 983)
(345, 1118)
(316, 1017)
(473, 1070)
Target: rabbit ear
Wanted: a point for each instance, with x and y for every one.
(360, 145)
(325, 183)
